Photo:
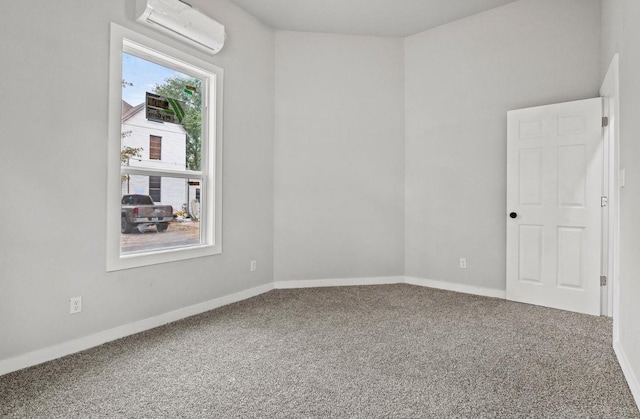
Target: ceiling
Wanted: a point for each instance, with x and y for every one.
(395, 18)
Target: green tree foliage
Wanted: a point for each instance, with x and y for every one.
(126, 154)
(178, 87)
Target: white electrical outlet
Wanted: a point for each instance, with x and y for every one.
(75, 305)
(254, 265)
(463, 263)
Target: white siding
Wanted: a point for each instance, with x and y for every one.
(173, 157)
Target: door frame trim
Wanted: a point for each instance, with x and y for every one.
(610, 92)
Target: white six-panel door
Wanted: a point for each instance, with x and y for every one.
(554, 184)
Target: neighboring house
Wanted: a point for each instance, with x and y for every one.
(163, 147)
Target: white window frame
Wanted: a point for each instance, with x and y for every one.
(126, 40)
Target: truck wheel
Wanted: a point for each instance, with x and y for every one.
(162, 227)
(125, 226)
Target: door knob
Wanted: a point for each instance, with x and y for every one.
(513, 214)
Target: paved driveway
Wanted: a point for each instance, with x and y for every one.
(178, 234)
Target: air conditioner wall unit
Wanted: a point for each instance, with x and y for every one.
(182, 21)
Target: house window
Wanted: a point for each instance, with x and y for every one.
(155, 147)
(162, 95)
(155, 186)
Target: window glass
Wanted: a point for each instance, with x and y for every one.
(155, 189)
(161, 131)
(155, 147)
(164, 187)
(140, 232)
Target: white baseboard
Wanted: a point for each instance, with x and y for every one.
(443, 285)
(451, 286)
(316, 283)
(96, 339)
(629, 375)
(76, 345)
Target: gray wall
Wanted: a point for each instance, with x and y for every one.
(621, 34)
(461, 79)
(339, 157)
(53, 169)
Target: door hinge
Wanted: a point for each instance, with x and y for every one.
(604, 201)
(605, 121)
(603, 281)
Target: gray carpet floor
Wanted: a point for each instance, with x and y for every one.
(389, 351)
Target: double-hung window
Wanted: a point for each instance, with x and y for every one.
(155, 147)
(164, 178)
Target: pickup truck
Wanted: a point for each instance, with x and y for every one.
(139, 211)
